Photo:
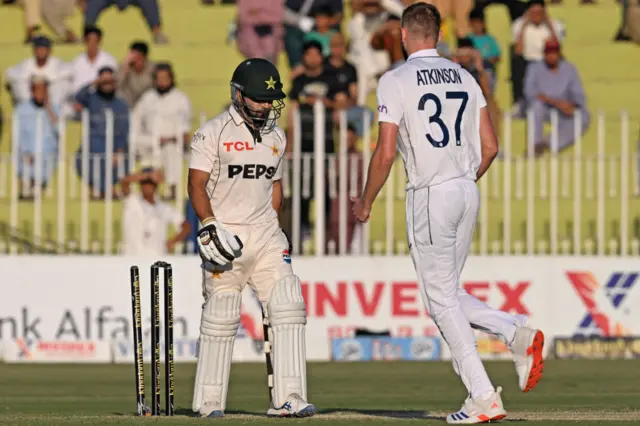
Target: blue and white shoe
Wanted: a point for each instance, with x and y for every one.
(294, 407)
(479, 410)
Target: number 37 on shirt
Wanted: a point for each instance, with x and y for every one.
(438, 112)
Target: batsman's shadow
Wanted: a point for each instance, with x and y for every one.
(336, 413)
(330, 412)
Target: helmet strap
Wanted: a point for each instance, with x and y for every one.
(257, 125)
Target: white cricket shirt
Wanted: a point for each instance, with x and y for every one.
(145, 225)
(54, 70)
(535, 37)
(156, 116)
(242, 171)
(436, 105)
(85, 71)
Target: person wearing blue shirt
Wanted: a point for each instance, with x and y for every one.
(194, 227)
(37, 118)
(485, 43)
(96, 98)
(555, 85)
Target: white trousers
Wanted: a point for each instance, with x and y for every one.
(440, 223)
(172, 159)
(168, 157)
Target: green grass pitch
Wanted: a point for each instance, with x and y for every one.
(403, 393)
(204, 63)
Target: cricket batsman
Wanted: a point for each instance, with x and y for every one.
(234, 186)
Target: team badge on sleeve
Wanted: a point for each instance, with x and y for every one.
(286, 256)
(197, 137)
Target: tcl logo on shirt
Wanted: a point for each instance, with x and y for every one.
(237, 146)
(251, 171)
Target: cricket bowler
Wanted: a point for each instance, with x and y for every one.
(436, 111)
(234, 186)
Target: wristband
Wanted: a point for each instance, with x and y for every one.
(208, 221)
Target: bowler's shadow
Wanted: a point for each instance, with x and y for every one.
(391, 414)
(338, 412)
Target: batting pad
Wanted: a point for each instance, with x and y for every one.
(287, 316)
(218, 329)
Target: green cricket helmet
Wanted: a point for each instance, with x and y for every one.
(258, 80)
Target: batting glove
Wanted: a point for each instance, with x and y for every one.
(217, 244)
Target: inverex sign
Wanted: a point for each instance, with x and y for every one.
(87, 298)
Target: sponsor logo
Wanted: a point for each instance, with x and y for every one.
(371, 348)
(597, 347)
(71, 323)
(29, 349)
(350, 350)
(183, 349)
(511, 293)
(605, 314)
(382, 109)
(237, 146)
(424, 348)
(205, 237)
(286, 256)
(400, 298)
(251, 171)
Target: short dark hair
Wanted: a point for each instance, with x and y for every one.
(324, 10)
(422, 20)
(41, 41)
(312, 44)
(476, 13)
(140, 46)
(92, 29)
(465, 42)
(164, 66)
(535, 3)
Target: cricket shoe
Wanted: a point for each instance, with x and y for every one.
(210, 411)
(527, 355)
(479, 410)
(294, 407)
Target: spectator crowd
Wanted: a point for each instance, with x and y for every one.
(338, 62)
(331, 59)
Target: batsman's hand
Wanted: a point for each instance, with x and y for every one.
(217, 244)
